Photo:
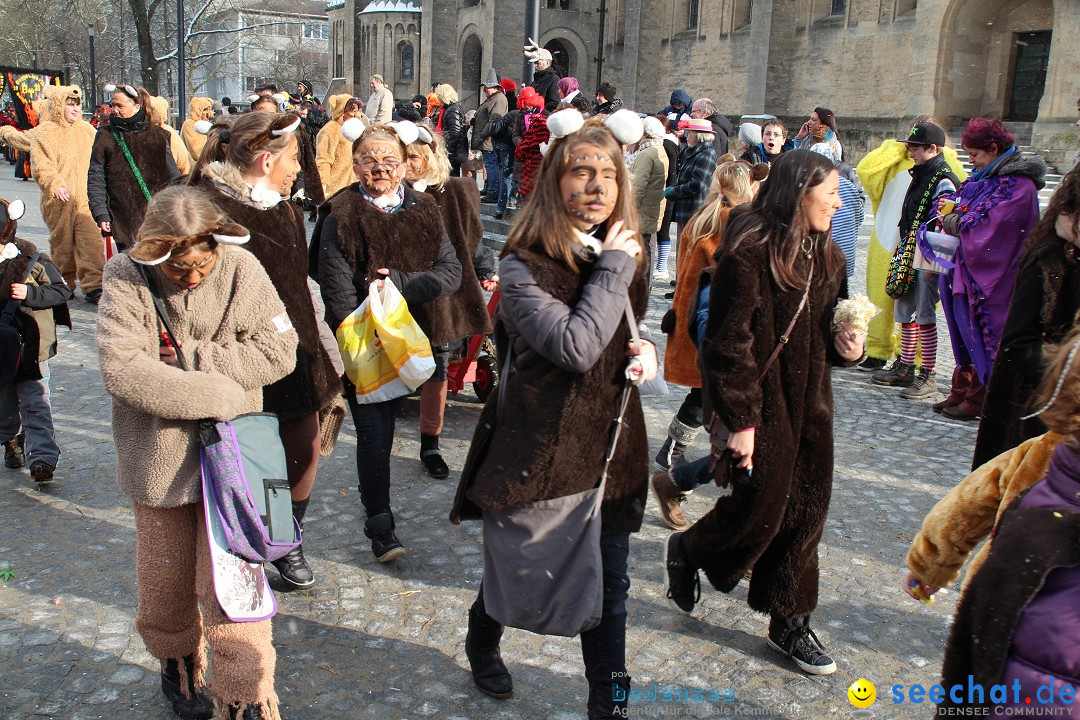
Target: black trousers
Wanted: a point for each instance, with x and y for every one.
(691, 412)
(374, 424)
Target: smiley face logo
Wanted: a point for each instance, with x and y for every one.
(862, 693)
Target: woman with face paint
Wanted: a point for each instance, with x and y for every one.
(247, 169)
(234, 332)
(375, 229)
(116, 193)
(776, 281)
(570, 267)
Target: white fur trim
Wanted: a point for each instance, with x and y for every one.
(16, 209)
(406, 130)
(565, 122)
(160, 260)
(8, 251)
(626, 126)
(352, 128)
(544, 148)
(420, 186)
(203, 127)
(230, 239)
(653, 127)
(286, 130)
(253, 97)
(570, 97)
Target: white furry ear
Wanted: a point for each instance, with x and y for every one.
(424, 136)
(563, 123)
(352, 128)
(406, 130)
(544, 148)
(156, 261)
(253, 97)
(231, 239)
(109, 88)
(203, 127)
(626, 126)
(280, 98)
(15, 209)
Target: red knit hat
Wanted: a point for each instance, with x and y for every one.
(508, 85)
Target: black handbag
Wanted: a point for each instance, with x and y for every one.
(11, 340)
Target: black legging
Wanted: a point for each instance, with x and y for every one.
(374, 441)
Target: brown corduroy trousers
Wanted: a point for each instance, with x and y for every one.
(174, 574)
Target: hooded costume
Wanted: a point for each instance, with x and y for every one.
(333, 153)
(160, 117)
(60, 157)
(197, 110)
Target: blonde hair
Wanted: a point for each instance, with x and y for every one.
(732, 185)
(436, 161)
(544, 225)
(179, 219)
(446, 94)
(230, 142)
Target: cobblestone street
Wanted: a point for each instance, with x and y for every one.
(386, 641)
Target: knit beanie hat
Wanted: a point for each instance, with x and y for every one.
(653, 127)
(750, 134)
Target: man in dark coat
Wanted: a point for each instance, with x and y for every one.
(705, 108)
(545, 80)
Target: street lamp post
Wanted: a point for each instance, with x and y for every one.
(532, 30)
(93, 72)
(180, 59)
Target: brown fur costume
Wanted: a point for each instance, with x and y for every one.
(773, 523)
(964, 518)
(549, 438)
(408, 240)
(181, 156)
(60, 157)
(197, 110)
(459, 201)
(278, 240)
(333, 153)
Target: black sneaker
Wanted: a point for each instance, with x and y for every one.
(294, 569)
(93, 297)
(901, 374)
(13, 452)
(41, 471)
(681, 578)
(384, 543)
(924, 386)
(871, 364)
(196, 704)
(795, 639)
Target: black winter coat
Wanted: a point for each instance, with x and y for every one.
(456, 134)
(546, 84)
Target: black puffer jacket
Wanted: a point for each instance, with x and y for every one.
(455, 133)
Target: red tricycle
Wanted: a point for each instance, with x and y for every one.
(479, 365)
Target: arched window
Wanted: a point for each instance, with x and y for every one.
(405, 61)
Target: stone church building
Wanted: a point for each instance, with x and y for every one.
(875, 63)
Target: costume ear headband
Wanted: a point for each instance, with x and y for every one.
(126, 89)
(624, 124)
(156, 250)
(408, 132)
(9, 213)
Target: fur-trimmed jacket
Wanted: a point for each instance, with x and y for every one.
(1045, 301)
(113, 192)
(353, 239)
(333, 153)
(1016, 624)
(279, 241)
(966, 515)
(44, 307)
(565, 332)
(459, 201)
(237, 338)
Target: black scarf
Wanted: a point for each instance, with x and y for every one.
(132, 124)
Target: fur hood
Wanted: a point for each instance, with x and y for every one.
(337, 105)
(159, 111)
(1031, 166)
(17, 269)
(198, 106)
(55, 97)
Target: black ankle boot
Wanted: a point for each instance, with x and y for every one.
(432, 458)
(384, 543)
(603, 650)
(198, 705)
(482, 648)
(294, 568)
(251, 712)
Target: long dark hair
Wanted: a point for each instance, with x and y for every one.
(776, 217)
(1044, 239)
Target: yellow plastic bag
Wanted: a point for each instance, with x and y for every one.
(385, 353)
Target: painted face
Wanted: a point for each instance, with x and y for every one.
(72, 109)
(589, 186)
(772, 137)
(981, 158)
(189, 268)
(922, 153)
(821, 202)
(123, 105)
(415, 164)
(350, 112)
(379, 166)
(284, 167)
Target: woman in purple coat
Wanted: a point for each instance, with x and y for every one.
(992, 213)
(1017, 626)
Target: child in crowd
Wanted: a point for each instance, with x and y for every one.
(34, 297)
(916, 308)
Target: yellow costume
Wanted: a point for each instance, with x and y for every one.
(199, 108)
(159, 115)
(964, 518)
(333, 153)
(876, 170)
(60, 158)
